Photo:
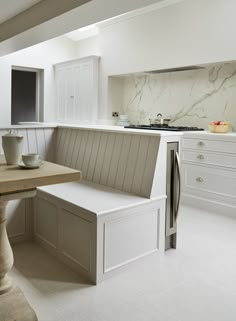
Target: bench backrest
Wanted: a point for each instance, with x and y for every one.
(123, 161)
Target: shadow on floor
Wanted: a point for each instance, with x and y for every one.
(40, 268)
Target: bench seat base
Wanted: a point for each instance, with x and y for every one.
(97, 230)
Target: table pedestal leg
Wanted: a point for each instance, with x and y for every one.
(13, 304)
(6, 255)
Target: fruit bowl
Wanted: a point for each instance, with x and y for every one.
(219, 127)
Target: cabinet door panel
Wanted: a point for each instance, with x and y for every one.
(76, 83)
(83, 93)
(61, 93)
(221, 182)
(70, 94)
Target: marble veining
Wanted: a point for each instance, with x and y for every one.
(191, 98)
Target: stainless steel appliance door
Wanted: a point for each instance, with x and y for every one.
(173, 188)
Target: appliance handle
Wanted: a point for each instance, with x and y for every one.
(179, 184)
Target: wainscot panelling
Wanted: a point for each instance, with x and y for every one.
(125, 162)
(36, 140)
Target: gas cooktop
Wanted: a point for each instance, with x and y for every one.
(165, 127)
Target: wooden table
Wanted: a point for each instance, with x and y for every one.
(18, 183)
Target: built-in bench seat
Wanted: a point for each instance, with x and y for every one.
(94, 198)
(116, 214)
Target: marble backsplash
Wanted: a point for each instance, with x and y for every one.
(191, 98)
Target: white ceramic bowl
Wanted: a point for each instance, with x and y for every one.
(123, 117)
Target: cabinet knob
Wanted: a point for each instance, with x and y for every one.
(199, 179)
(71, 97)
(200, 156)
(201, 144)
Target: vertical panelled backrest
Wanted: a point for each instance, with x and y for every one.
(122, 161)
(36, 140)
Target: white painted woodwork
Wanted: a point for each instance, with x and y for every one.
(93, 197)
(209, 158)
(97, 237)
(209, 171)
(117, 213)
(46, 221)
(121, 161)
(16, 218)
(130, 238)
(76, 239)
(114, 215)
(207, 179)
(77, 90)
(209, 144)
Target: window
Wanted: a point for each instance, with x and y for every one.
(26, 95)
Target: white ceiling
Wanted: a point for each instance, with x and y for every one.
(93, 30)
(11, 8)
(83, 33)
(37, 23)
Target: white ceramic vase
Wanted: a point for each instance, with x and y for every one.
(12, 146)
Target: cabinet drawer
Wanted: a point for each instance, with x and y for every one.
(209, 145)
(211, 180)
(202, 157)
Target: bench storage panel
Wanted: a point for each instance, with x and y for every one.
(46, 225)
(98, 244)
(75, 239)
(130, 238)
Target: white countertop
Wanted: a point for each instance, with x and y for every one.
(119, 129)
(39, 125)
(110, 128)
(206, 134)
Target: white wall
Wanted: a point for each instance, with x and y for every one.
(186, 33)
(88, 47)
(41, 56)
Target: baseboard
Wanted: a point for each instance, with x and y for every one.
(209, 205)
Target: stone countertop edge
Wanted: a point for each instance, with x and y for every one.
(113, 128)
(212, 135)
(43, 125)
(119, 129)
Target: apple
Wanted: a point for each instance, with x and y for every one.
(219, 122)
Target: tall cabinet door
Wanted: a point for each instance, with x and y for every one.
(61, 77)
(77, 90)
(83, 90)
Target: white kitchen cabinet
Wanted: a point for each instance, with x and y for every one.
(77, 90)
(209, 171)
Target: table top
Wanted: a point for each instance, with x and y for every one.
(16, 179)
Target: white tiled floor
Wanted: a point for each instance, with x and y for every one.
(196, 282)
